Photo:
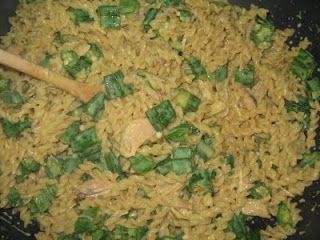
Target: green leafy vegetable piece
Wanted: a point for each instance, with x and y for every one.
(184, 15)
(246, 76)
(14, 129)
(221, 73)
(101, 234)
(53, 167)
(229, 160)
(124, 233)
(84, 62)
(69, 164)
(187, 101)
(95, 50)
(171, 3)
(70, 61)
(161, 115)
(4, 84)
(238, 226)
(180, 133)
(262, 32)
(284, 215)
(314, 86)
(149, 17)
(43, 201)
(95, 106)
(115, 86)
(180, 162)
(79, 16)
(14, 198)
(141, 164)
(86, 223)
(259, 190)
(112, 163)
(204, 148)
(198, 70)
(45, 61)
(27, 167)
(200, 180)
(129, 6)
(109, 16)
(70, 133)
(59, 38)
(310, 159)
(12, 97)
(303, 64)
(302, 105)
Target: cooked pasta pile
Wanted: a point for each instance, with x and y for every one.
(206, 122)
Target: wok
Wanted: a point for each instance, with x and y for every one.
(283, 13)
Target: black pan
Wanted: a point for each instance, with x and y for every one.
(284, 13)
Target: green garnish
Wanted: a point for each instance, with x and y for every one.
(149, 17)
(53, 167)
(116, 87)
(43, 201)
(161, 115)
(303, 64)
(109, 16)
(25, 168)
(141, 164)
(197, 69)
(14, 129)
(204, 148)
(284, 216)
(14, 198)
(259, 190)
(187, 101)
(12, 97)
(201, 180)
(79, 16)
(180, 133)
(246, 76)
(262, 33)
(221, 73)
(129, 6)
(310, 159)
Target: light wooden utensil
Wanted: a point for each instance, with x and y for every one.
(80, 90)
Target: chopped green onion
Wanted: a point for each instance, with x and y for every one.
(112, 163)
(86, 221)
(221, 73)
(59, 38)
(43, 201)
(45, 61)
(151, 1)
(115, 86)
(129, 6)
(95, 50)
(284, 216)
(53, 167)
(141, 164)
(200, 180)
(197, 69)
(70, 133)
(84, 63)
(180, 133)
(4, 84)
(171, 238)
(25, 168)
(72, 236)
(262, 33)
(187, 101)
(303, 64)
(171, 3)
(161, 115)
(124, 233)
(149, 17)
(310, 159)
(12, 97)
(70, 61)
(101, 234)
(314, 86)
(229, 160)
(14, 129)
(204, 148)
(246, 76)
(70, 164)
(238, 226)
(80, 16)
(184, 15)
(109, 16)
(302, 105)
(14, 198)
(95, 106)
(259, 190)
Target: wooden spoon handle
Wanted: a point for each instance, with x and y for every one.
(80, 90)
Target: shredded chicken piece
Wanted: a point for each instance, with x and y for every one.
(94, 188)
(256, 208)
(135, 135)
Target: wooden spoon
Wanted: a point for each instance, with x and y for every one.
(80, 90)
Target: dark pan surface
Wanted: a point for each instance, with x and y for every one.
(284, 13)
